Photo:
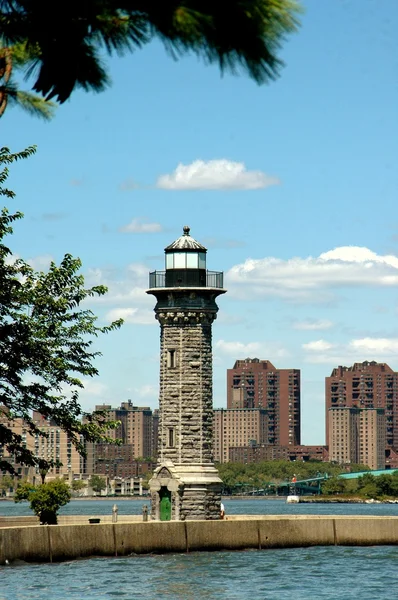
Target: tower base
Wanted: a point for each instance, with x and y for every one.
(185, 492)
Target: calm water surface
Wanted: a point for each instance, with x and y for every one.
(250, 506)
(320, 573)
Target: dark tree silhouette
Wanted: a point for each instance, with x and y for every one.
(66, 39)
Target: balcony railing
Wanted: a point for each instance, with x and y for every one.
(186, 278)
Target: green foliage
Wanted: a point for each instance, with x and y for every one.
(334, 485)
(385, 485)
(238, 34)
(6, 483)
(45, 499)
(97, 483)
(16, 57)
(258, 475)
(366, 486)
(45, 344)
(23, 491)
(78, 484)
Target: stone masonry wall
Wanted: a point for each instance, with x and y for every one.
(200, 503)
(185, 406)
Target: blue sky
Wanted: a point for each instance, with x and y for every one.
(292, 187)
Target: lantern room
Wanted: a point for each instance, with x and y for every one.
(185, 262)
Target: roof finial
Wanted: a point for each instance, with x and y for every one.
(186, 230)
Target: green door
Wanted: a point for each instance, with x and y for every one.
(165, 504)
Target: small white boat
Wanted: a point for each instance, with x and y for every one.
(292, 499)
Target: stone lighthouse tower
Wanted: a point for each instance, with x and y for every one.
(185, 485)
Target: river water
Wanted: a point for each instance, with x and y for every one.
(319, 573)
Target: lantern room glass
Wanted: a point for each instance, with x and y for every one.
(186, 260)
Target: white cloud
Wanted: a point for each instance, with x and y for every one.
(317, 345)
(220, 174)
(359, 254)
(93, 388)
(41, 263)
(128, 287)
(379, 346)
(139, 225)
(136, 316)
(238, 348)
(312, 325)
(252, 349)
(38, 263)
(355, 350)
(311, 278)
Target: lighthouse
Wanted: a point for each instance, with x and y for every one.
(185, 484)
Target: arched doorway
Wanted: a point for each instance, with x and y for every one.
(164, 504)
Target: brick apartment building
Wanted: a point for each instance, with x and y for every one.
(237, 427)
(55, 446)
(366, 385)
(254, 453)
(254, 383)
(119, 461)
(135, 429)
(357, 435)
(138, 433)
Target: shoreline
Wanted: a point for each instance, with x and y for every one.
(57, 543)
(303, 499)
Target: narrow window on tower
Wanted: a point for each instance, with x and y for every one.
(171, 439)
(171, 359)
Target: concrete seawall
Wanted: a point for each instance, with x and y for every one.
(66, 542)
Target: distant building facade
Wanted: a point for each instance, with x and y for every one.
(119, 462)
(357, 435)
(138, 434)
(366, 385)
(135, 429)
(18, 427)
(237, 427)
(254, 383)
(254, 454)
(56, 446)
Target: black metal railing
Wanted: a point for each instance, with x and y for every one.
(186, 278)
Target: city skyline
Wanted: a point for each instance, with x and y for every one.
(291, 187)
(261, 422)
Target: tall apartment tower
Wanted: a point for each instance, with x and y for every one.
(135, 429)
(185, 484)
(254, 383)
(365, 385)
(238, 427)
(57, 446)
(357, 435)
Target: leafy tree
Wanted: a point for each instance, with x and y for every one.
(258, 475)
(45, 345)
(333, 485)
(383, 483)
(6, 483)
(97, 483)
(45, 499)
(78, 485)
(394, 484)
(16, 58)
(23, 491)
(244, 34)
(367, 486)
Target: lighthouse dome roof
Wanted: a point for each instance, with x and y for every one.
(185, 242)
